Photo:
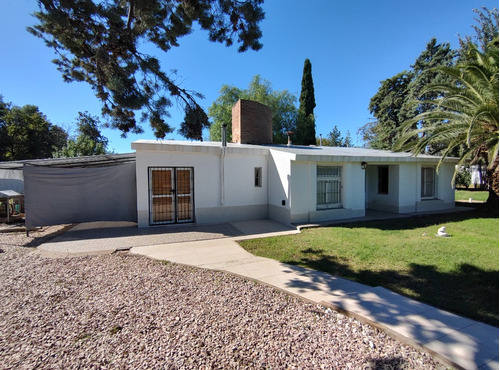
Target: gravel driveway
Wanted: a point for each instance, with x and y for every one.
(126, 311)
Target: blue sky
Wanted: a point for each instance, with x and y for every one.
(353, 45)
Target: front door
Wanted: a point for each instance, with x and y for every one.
(171, 197)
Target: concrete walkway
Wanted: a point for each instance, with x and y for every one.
(460, 342)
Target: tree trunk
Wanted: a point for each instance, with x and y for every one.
(493, 184)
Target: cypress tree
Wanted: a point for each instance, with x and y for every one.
(306, 131)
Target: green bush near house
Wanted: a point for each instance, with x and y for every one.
(463, 179)
(458, 274)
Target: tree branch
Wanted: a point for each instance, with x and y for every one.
(130, 13)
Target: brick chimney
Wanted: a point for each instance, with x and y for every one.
(252, 123)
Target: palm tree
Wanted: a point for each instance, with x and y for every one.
(464, 119)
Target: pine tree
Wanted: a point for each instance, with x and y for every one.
(306, 128)
(335, 137)
(88, 141)
(195, 120)
(102, 43)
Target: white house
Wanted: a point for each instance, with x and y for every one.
(211, 182)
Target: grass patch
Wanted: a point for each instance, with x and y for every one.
(458, 274)
(476, 195)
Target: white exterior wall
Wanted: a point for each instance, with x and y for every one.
(444, 191)
(240, 186)
(224, 188)
(278, 194)
(404, 189)
(355, 188)
(383, 202)
(242, 200)
(409, 185)
(303, 192)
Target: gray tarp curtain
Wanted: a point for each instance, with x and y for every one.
(56, 195)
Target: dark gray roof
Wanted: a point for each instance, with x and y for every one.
(89, 161)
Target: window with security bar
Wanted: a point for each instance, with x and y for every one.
(171, 195)
(328, 187)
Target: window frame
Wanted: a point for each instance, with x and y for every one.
(425, 172)
(330, 185)
(257, 177)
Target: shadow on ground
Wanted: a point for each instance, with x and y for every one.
(467, 291)
(470, 211)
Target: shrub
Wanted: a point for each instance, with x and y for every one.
(463, 178)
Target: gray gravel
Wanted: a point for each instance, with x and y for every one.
(126, 311)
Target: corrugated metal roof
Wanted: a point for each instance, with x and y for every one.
(88, 161)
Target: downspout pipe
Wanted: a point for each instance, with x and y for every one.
(222, 165)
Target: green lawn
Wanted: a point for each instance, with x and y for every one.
(477, 195)
(458, 274)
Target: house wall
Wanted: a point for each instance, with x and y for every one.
(224, 188)
(409, 185)
(445, 192)
(219, 196)
(404, 189)
(279, 172)
(383, 202)
(303, 192)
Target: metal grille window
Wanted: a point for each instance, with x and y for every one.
(428, 182)
(328, 171)
(328, 187)
(171, 197)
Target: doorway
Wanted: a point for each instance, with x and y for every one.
(171, 195)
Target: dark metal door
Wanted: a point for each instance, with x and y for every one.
(171, 195)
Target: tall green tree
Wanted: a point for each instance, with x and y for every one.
(26, 133)
(281, 102)
(305, 132)
(465, 116)
(89, 140)
(485, 29)
(4, 137)
(103, 43)
(400, 97)
(348, 140)
(390, 106)
(335, 138)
